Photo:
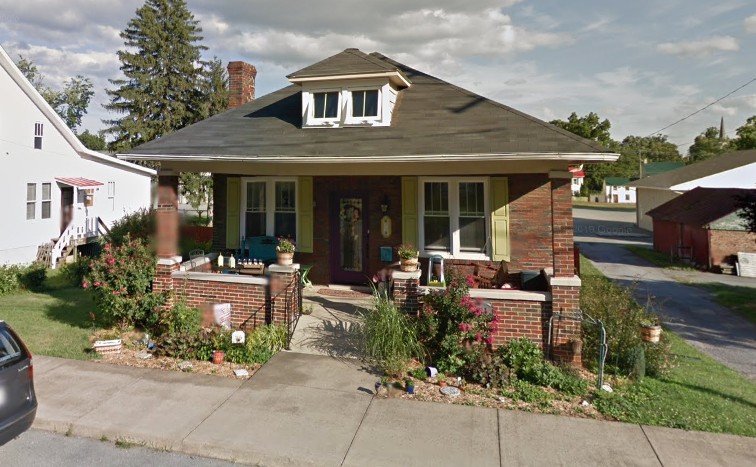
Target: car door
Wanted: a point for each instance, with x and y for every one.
(16, 392)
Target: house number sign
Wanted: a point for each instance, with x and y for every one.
(385, 226)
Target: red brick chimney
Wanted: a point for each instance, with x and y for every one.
(241, 83)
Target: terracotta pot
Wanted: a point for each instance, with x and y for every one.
(285, 259)
(442, 384)
(218, 357)
(650, 333)
(408, 265)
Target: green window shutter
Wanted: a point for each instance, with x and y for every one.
(233, 211)
(305, 217)
(500, 218)
(409, 210)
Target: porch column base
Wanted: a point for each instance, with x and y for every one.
(283, 292)
(566, 328)
(406, 287)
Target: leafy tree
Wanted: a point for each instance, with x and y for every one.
(707, 145)
(746, 135)
(591, 127)
(747, 205)
(71, 102)
(198, 188)
(163, 86)
(95, 142)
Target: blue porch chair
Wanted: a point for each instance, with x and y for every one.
(262, 248)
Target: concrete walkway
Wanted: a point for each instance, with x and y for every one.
(313, 410)
(689, 311)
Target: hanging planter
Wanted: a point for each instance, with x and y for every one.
(650, 331)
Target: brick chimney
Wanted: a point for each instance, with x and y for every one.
(241, 83)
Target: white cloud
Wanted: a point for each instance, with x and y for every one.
(700, 48)
(750, 24)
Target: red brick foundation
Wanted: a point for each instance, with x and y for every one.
(406, 291)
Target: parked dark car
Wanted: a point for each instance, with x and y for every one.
(18, 403)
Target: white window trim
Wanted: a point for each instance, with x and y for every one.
(339, 106)
(454, 218)
(270, 203)
(32, 202)
(42, 200)
(351, 119)
(112, 194)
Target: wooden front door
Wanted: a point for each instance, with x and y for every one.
(66, 206)
(349, 239)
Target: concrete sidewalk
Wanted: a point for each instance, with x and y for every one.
(314, 410)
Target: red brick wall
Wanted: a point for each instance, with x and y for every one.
(530, 221)
(520, 318)
(241, 83)
(406, 295)
(248, 301)
(725, 243)
(561, 221)
(565, 332)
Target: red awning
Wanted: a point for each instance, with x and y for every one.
(78, 182)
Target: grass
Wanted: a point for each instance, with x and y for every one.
(741, 300)
(603, 206)
(698, 394)
(53, 322)
(659, 259)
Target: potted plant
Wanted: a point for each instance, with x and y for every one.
(441, 378)
(650, 330)
(410, 385)
(218, 354)
(408, 256)
(285, 251)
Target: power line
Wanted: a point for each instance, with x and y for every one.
(691, 142)
(703, 108)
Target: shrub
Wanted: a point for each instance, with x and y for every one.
(9, 282)
(137, 225)
(659, 358)
(527, 392)
(183, 319)
(489, 371)
(120, 279)
(388, 336)
(33, 277)
(74, 272)
(520, 354)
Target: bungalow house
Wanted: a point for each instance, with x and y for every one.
(578, 178)
(58, 195)
(617, 191)
(361, 153)
(703, 226)
(732, 170)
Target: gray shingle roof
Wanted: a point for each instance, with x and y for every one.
(698, 170)
(352, 61)
(432, 117)
(700, 206)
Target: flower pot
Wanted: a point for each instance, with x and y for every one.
(410, 389)
(408, 264)
(218, 357)
(650, 333)
(285, 259)
(442, 383)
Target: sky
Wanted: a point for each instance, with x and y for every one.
(642, 64)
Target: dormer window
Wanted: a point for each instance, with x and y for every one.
(326, 105)
(365, 103)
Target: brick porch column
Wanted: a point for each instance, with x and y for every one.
(566, 333)
(166, 232)
(283, 286)
(406, 290)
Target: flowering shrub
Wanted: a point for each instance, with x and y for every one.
(457, 328)
(120, 279)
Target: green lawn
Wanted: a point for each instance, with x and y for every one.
(54, 322)
(657, 258)
(739, 299)
(698, 394)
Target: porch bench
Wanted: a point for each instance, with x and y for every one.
(261, 248)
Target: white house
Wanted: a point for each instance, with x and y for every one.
(57, 193)
(578, 177)
(617, 191)
(732, 170)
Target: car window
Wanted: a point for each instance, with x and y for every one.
(10, 351)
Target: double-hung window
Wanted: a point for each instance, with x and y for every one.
(31, 200)
(453, 216)
(111, 195)
(46, 200)
(325, 105)
(38, 133)
(270, 208)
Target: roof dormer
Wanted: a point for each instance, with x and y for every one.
(349, 89)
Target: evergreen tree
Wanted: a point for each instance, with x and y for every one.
(215, 88)
(164, 84)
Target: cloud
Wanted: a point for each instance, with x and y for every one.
(750, 24)
(700, 48)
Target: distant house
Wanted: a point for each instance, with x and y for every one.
(732, 170)
(617, 191)
(578, 177)
(57, 194)
(703, 225)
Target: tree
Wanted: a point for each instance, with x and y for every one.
(214, 88)
(71, 102)
(591, 127)
(707, 145)
(198, 188)
(164, 75)
(95, 142)
(746, 135)
(747, 205)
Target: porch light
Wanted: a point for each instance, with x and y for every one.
(385, 204)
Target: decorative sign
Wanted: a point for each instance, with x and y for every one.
(237, 337)
(222, 314)
(385, 226)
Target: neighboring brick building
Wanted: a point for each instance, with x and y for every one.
(361, 153)
(703, 225)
